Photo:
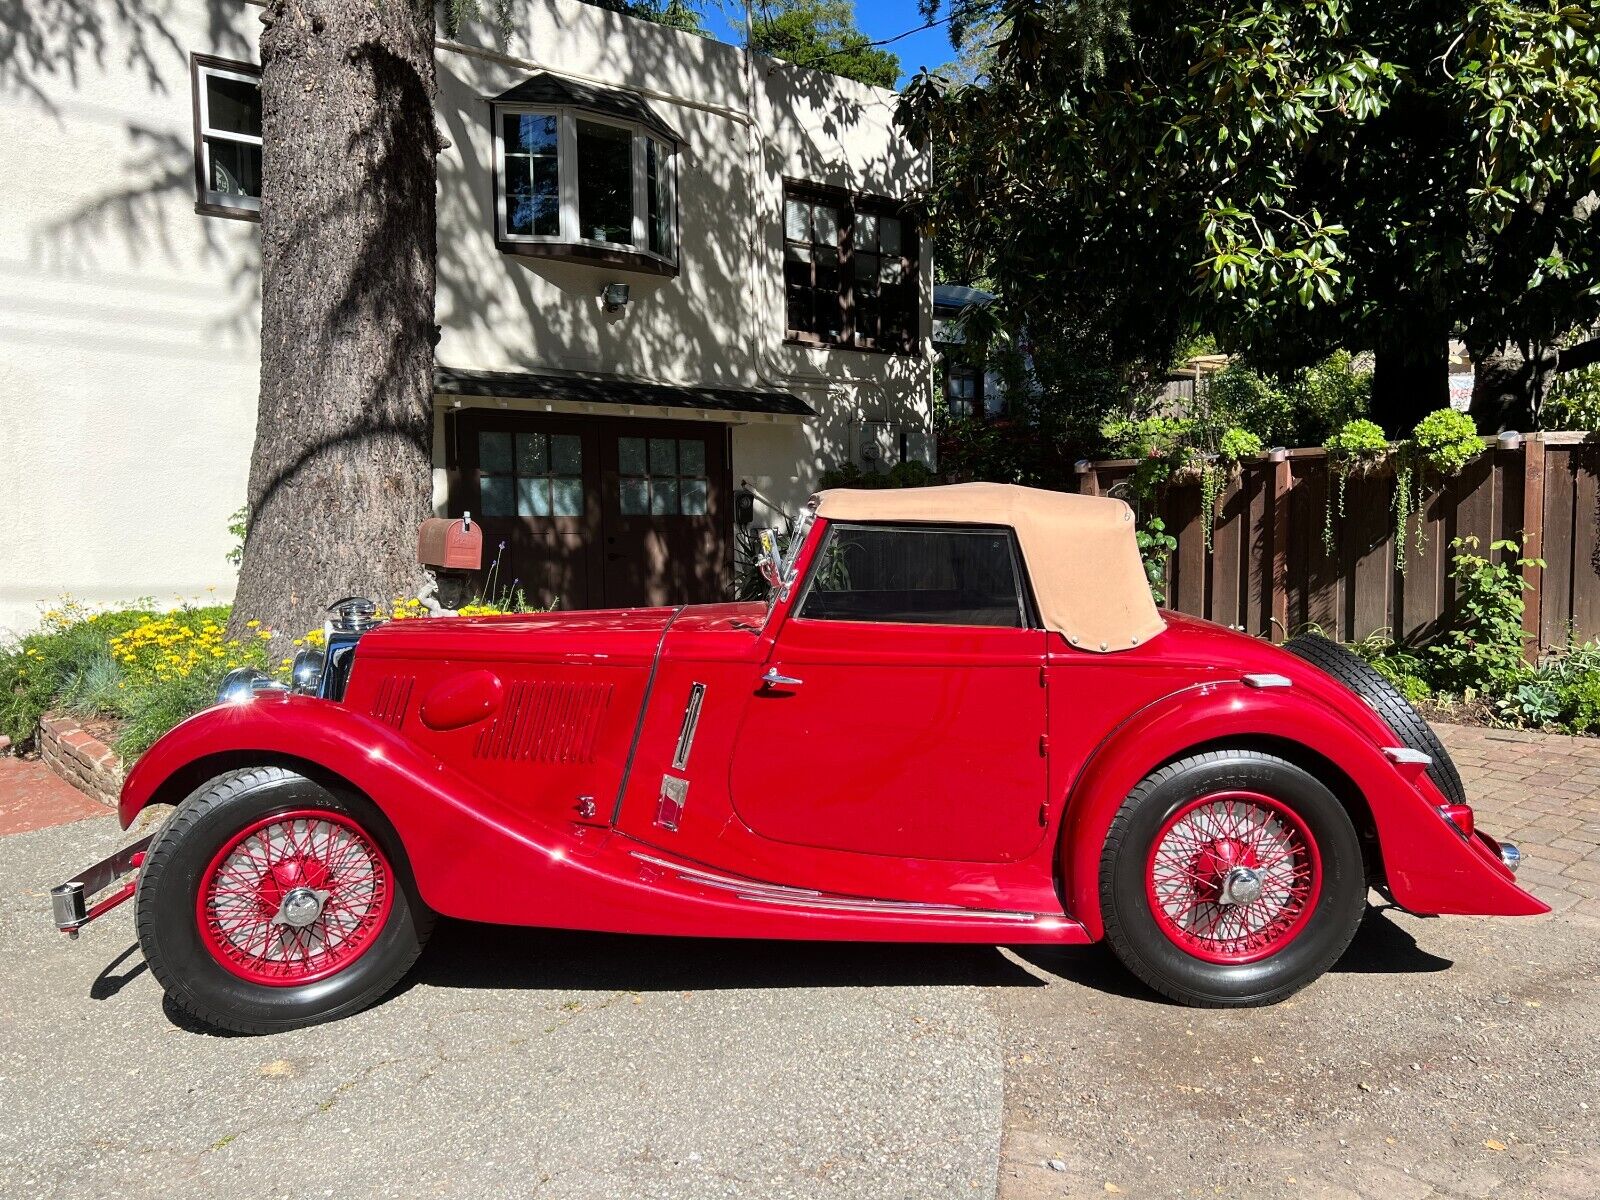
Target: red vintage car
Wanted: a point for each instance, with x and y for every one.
(958, 717)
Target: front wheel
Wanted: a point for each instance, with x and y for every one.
(269, 901)
(1231, 878)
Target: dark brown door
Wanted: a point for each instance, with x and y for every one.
(593, 513)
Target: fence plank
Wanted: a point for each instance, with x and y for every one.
(1278, 617)
(1367, 546)
(1226, 544)
(1585, 582)
(1556, 606)
(1532, 522)
(1188, 593)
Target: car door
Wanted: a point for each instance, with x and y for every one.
(905, 711)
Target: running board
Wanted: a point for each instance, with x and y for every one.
(777, 893)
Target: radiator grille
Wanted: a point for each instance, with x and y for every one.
(390, 700)
(546, 722)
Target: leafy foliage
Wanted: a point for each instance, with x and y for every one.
(1232, 168)
(822, 34)
(1483, 651)
(1573, 401)
(1446, 441)
(1155, 551)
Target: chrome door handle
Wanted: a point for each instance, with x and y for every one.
(774, 680)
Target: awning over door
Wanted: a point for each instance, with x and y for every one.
(618, 393)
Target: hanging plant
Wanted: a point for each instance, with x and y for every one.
(1219, 469)
(1357, 448)
(1441, 446)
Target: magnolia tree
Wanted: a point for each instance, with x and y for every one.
(1289, 177)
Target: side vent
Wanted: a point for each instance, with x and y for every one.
(389, 702)
(546, 722)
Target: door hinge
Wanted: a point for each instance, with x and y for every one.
(1044, 678)
(1044, 743)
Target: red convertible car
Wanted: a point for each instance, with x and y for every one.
(958, 717)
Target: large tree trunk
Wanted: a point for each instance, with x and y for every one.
(341, 473)
(1411, 375)
(1509, 386)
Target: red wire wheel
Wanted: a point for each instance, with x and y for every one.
(294, 898)
(1233, 877)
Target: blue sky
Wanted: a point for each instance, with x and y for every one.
(876, 18)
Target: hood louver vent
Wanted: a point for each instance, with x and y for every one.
(389, 702)
(546, 722)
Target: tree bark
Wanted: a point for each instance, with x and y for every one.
(1508, 385)
(341, 474)
(1411, 375)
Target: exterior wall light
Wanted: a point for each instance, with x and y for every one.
(615, 297)
(1509, 440)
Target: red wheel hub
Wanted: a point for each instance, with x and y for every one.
(1233, 877)
(294, 898)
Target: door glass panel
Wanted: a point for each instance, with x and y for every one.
(533, 497)
(495, 496)
(692, 496)
(663, 497)
(663, 456)
(635, 497)
(915, 576)
(567, 497)
(691, 457)
(532, 454)
(494, 452)
(566, 454)
(630, 456)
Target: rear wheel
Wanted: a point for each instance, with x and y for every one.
(1231, 878)
(269, 901)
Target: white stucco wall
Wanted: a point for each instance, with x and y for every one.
(129, 323)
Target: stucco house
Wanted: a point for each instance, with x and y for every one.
(668, 275)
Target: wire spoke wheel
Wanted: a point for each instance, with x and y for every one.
(294, 897)
(1233, 877)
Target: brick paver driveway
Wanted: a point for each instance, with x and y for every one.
(1451, 1058)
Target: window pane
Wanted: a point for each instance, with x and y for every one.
(533, 497)
(889, 234)
(235, 167)
(566, 454)
(663, 496)
(663, 456)
(533, 199)
(658, 206)
(494, 493)
(635, 497)
(494, 452)
(529, 133)
(233, 105)
(893, 270)
(691, 457)
(797, 220)
(605, 183)
(532, 456)
(825, 224)
(867, 267)
(923, 577)
(866, 232)
(693, 495)
(566, 497)
(630, 456)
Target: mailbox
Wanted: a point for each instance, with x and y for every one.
(450, 545)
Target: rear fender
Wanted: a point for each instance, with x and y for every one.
(1430, 867)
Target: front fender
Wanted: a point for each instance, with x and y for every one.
(468, 849)
(1430, 868)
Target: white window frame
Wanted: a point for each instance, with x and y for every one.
(567, 119)
(204, 135)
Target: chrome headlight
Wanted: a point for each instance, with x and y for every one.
(242, 683)
(305, 677)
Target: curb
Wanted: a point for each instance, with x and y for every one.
(85, 762)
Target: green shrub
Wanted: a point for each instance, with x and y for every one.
(1446, 441)
(1155, 550)
(1407, 671)
(1482, 654)
(1302, 411)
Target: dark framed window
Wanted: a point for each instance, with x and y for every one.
(850, 270)
(917, 575)
(662, 477)
(963, 390)
(227, 136)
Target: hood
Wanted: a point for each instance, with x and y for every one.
(618, 636)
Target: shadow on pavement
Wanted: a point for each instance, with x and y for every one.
(1381, 947)
(108, 983)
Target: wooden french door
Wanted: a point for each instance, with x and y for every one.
(599, 513)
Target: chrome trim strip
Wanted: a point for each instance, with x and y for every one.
(777, 893)
(691, 721)
(644, 709)
(1405, 754)
(1267, 680)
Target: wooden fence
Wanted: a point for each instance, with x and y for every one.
(1268, 573)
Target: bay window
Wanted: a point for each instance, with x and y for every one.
(574, 182)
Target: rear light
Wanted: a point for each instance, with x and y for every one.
(1459, 815)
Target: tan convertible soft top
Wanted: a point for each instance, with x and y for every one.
(1080, 551)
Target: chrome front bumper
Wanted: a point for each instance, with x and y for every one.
(1511, 856)
(70, 902)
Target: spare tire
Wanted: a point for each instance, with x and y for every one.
(1354, 672)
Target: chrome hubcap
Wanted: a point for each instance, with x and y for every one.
(1241, 885)
(301, 906)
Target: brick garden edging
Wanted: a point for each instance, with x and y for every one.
(85, 762)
